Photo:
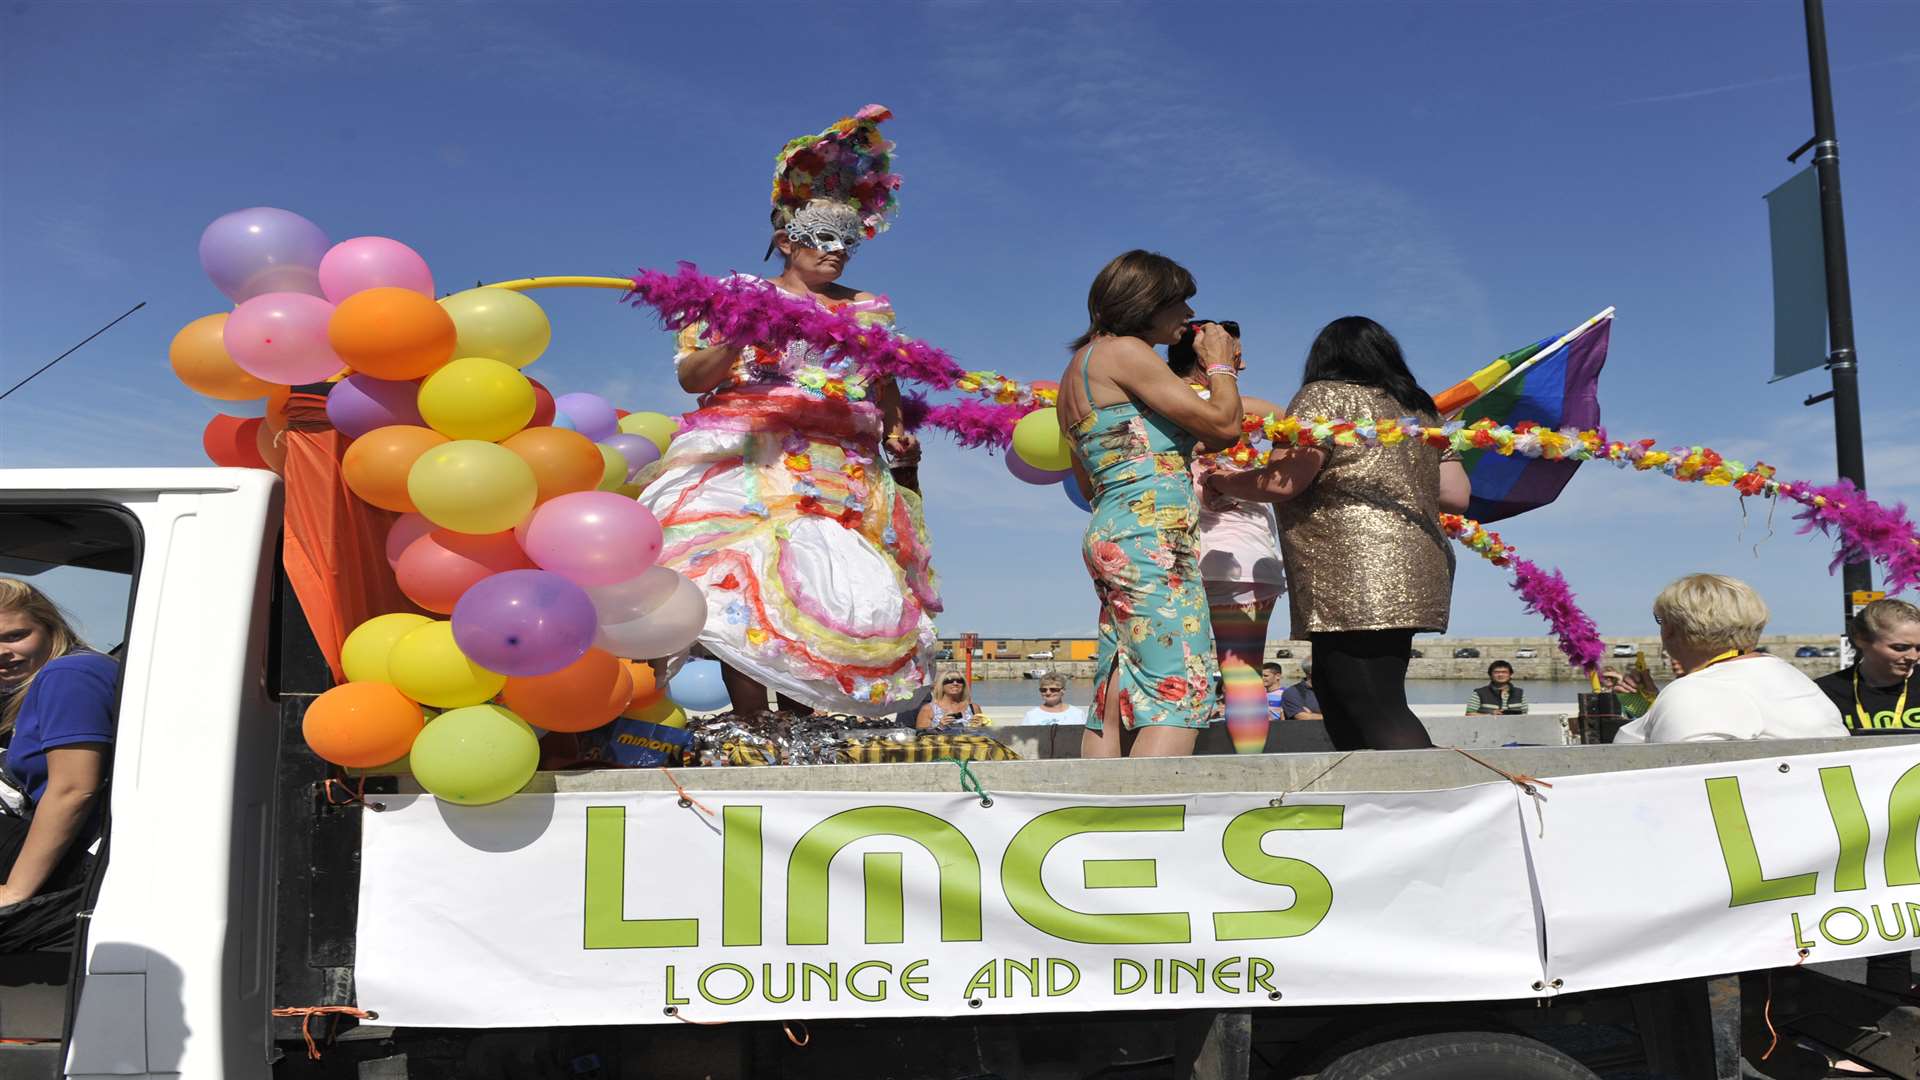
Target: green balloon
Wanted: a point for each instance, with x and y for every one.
(476, 755)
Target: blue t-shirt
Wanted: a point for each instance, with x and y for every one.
(70, 702)
(1299, 698)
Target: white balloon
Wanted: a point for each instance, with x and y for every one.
(625, 601)
(662, 631)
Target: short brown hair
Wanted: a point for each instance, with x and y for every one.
(1127, 291)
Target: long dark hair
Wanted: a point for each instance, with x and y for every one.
(1127, 291)
(1182, 357)
(1355, 349)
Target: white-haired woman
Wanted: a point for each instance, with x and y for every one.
(1876, 692)
(58, 724)
(1710, 625)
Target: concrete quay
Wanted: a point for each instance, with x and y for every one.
(1438, 662)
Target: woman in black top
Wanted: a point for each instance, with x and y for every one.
(1878, 693)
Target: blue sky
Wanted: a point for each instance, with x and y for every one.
(1474, 176)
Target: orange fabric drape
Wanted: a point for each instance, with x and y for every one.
(336, 545)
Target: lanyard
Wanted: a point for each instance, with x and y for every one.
(1899, 707)
(1730, 654)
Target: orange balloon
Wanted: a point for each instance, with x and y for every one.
(582, 696)
(362, 724)
(646, 687)
(392, 333)
(270, 442)
(199, 358)
(437, 568)
(562, 461)
(377, 463)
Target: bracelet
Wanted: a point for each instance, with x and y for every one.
(1223, 370)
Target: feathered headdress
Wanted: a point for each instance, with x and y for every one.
(849, 163)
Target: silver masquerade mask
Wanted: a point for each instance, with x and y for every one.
(827, 227)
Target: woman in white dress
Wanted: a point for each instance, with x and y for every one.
(776, 497)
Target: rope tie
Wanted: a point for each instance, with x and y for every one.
(306, 1013)
(1766, 1013)
(354, 796)
(805, 1035)
(685, 1019)
(969, 782)
(1529, 784)
(1281, 799)
(685, 799)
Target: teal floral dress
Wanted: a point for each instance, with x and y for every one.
(1156, 641)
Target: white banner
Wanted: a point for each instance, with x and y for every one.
(1712, 869)
(629, 908)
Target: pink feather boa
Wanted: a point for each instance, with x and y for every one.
(1546, 593)
(1864, 530)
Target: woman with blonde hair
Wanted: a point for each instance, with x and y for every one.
(952, 704)
(1875, 692)
(1726, 689)
(58, 718)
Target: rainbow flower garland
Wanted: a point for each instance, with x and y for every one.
(747, 309)
(1544, 592)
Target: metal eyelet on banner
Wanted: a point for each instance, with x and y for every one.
(973, 1003)
(671, 1011)
(1273, 995)
(1784, 767)
(1539, 986)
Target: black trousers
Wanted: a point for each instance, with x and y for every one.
(46, 920)
(1361, 679)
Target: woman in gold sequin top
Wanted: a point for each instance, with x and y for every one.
(1367, 564)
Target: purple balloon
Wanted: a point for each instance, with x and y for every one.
(639, 451)
(359, 403)
(524, 622)
(592, 415)
(261, 250)
(1030, 474)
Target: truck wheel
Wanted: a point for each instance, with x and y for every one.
(1457, 1055)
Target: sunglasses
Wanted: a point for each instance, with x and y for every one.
(953, 682)
(1053, 689)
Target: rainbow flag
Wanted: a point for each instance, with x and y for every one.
(1246, 707)
(1554, 383)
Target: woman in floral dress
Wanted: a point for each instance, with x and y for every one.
(1134, 425)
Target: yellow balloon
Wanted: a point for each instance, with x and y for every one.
(499, 324)
(613, 469)
(660, 711)
(476, 398)
(1038, 440)
(476, 755)
(651, 425)
(428, 666)
(363, 656)
(472, 487)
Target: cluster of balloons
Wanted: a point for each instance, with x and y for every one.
(1041, 453)
(518, 521)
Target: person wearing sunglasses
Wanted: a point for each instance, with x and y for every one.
(1053, 707)
(779, 498)
(1239, 544)
(952, 705)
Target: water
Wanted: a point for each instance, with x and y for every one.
(1004, 693)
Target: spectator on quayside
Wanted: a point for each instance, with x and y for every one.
(1274, 678)
(1876, 692)
(1724, 689)
(1499, 697)
(1299, 702)
(952, 705)
(1053, 707)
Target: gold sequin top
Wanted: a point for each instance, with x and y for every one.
(1363, 545)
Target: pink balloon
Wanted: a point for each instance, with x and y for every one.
(437, 569)
(403, 532)
(371, 262)
(282, 338)
(593, 537)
